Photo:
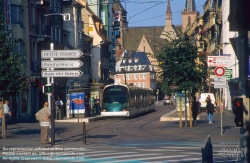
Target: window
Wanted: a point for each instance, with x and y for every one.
(145, 85)
(141, 76)
(136, 76)
(16, 14)
(144, 76)
(19, 47)
(141, 85)
(189, 20)
(33, 15)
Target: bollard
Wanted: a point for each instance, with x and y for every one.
(180, 112)
(84, 133)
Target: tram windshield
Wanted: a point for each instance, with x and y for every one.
(115, 96)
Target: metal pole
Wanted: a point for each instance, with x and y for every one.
(52, 104)
(84, 133)
(221, 127)
(77, 103)
(180, 112)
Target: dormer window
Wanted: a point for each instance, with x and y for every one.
(129, 60)
(124, 61)
(135, 67)
(136, 60)
(140, 68)
(150, 67)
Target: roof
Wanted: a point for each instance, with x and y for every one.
(142, 62)
(133, 35)
(155, 42)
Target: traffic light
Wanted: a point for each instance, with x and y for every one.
(47, 89)
(238, 112)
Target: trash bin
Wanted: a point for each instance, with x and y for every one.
(59, 114)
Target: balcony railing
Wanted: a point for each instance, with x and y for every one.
(43, 30)
(36, 66)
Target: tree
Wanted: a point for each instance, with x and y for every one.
(180, 64)
(13, 77)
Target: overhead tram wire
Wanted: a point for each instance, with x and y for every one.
(158, 16)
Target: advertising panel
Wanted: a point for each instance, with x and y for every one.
(77, 103)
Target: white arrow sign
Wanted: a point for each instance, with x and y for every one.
(213, 61)
(62, 64)
(47, 54)
(62, 73)
(219, 86)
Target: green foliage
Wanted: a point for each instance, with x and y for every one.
(178, 62)
(13, 78)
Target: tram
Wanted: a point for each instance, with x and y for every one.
(126, 101)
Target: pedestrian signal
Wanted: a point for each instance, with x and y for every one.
(47, 89)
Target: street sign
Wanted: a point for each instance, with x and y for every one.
(47, 54)
(219, 71)
(62, 73)
(220, 82)
(213, 61)
(61, 64)
(228, 73)
(219, 86)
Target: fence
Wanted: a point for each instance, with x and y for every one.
(207, 151)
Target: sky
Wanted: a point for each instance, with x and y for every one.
(153, 12)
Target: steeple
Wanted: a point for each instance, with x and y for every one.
(169, 12)
(190, 5)
(169, 16)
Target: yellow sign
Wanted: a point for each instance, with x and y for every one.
(90, 28)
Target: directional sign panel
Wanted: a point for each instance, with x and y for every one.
(47, 54)
(219, 86)
(62, 73)
(213, 61)
(61, 64)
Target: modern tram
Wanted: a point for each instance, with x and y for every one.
(126, 101)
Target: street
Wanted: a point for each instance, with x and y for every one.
(139, 139)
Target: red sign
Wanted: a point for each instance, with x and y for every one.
(219, 71)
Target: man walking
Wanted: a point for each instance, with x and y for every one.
(6, 112)
(43, 116)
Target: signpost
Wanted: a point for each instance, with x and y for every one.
(213, 61)
(49, 65)
(61, 64)
(62, 73)
(47, 54)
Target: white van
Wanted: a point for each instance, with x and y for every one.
(202, 100)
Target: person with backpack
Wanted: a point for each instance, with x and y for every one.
(210, 110)
(43, 116)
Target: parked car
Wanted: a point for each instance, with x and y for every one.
(167, 101)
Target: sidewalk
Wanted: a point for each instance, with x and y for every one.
(231, 134)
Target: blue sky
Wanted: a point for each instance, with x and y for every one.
(152, 12)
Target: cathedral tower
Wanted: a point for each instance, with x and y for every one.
(169, 15)
(189, 14)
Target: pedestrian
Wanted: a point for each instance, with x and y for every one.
(195, 110)
(93, 105)
(97, 105)
(43, 116)
(7, 112)
(86, 106)
(59, 105)
(238, 112)
(210, 110)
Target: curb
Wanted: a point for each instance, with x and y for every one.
(167, 117)
(91, 119)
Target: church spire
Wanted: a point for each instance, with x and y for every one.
(169, 12)
(190, 5)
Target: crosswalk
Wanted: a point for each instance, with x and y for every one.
(118, 154)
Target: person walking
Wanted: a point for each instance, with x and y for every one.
(7, 112)
(86, 106)
(97, 105)
(210, 110)
(43, 116)
(195, 110)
